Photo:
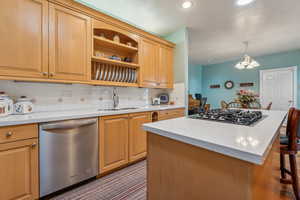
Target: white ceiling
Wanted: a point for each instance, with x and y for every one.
(217, 28)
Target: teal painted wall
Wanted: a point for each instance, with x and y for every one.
(195, 78)
(180, 38)
(219, 73)
(96, 5)
(181, 61)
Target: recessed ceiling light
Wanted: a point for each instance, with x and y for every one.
(243, 2)
(187, 4)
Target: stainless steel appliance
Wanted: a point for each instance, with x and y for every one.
(164, 98)
(68, 153)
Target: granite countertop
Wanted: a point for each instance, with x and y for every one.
(40, 117)
(248, 143)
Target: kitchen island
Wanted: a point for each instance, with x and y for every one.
(199, 159)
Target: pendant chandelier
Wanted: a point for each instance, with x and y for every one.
(246, 61)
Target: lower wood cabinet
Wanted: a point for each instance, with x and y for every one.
(122, 139)
(171, 114)
(137, 136)
(113, 141)
(19, 170)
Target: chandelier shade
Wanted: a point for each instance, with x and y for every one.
(247, 62)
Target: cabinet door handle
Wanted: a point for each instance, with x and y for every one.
(33, 145)
(45, 73)
(9, 134)
(52, 74)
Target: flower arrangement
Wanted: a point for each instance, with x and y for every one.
(246, 97)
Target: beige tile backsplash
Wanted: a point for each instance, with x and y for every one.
(50, 96)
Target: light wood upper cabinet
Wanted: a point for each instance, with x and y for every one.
(69, 43)
(19, 170)
(149, 63)
(165, 72)
(156, 65)
(113, 141)
(24, 38)
(137, 136)
(54, 42)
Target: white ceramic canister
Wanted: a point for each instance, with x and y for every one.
(24, 105)
(3, 108)
(9, 102)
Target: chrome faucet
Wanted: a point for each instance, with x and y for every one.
(115, 98)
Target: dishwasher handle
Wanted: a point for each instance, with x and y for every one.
(70, 124)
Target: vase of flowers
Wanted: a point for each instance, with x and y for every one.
(246, 97)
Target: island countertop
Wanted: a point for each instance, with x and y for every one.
(248, 143)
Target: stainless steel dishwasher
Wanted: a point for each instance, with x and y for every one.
(68, 153)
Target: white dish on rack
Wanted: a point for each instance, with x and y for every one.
(105, 72)
(112, 73)
(109, 73)
(101, 72)
(127, 75)
(130, 75)
(118, 73)
(135, 77)
(97, 71)
(122, 75)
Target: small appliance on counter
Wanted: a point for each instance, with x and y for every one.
(164, 98)
(24, 106)
(156, 101)
(6, 105)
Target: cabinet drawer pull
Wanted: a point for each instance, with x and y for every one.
(52, 74)
(33, 145)
(45, 73)
(9, 134)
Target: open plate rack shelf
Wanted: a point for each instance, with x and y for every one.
(114, 62)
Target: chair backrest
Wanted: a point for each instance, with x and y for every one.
(202, 104)
(269, 106)
(289, 119)
(198, 96)
(224, 105)
(293, 130)
(207, 107)
(255, 105)
(234, 104)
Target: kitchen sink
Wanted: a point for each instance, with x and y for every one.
(117, 109)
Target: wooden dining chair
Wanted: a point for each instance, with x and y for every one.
(255, 105)
(234, 104)
(269, 106)
(289, 145)
(224, 105)
(207, 107)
